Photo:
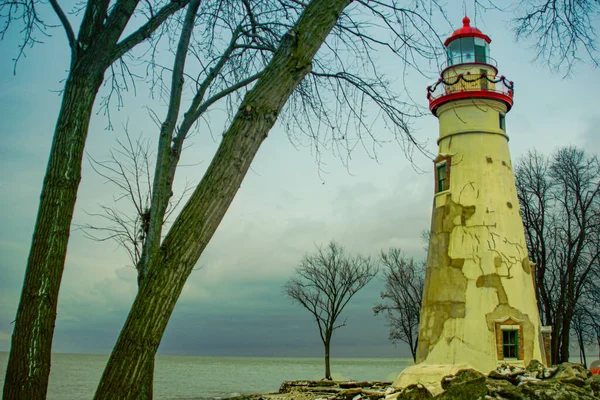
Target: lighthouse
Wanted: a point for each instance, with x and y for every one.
(479, 308)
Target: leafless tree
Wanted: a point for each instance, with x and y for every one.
(560, 205)
(564, 31)
(402, 295)
(127, 221)
(129, 169)
(324, 283)
(584, 327)
(98, 45)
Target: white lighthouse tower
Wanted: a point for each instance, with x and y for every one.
(479, 307)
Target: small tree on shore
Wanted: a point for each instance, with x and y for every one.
(401, 297)
(324, 283)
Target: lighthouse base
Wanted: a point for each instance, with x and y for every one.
(429, 376)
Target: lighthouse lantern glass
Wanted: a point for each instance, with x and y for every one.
(468, 50)
(454, 56)
(482, 50)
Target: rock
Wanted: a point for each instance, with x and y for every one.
(549, 372)
(326, 382)
(464, 375)
(554, 390)
(415, 392)
(508, 372)
(349, 385)
(503, 389)
(467, 384)
(569, 370)
(372, 394)
(572, 381)
(316, 389)
(594, 383)
(535, 369)
(380, 384)
(348, 394)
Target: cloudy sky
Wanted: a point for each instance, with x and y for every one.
(232, 303)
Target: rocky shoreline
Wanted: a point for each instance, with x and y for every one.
(565, 381)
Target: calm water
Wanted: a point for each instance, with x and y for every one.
(75, 376)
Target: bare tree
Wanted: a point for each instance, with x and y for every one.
(129, 169)
(95, 48)
(402, 295)
(127, 222)
(560, 205)
(324, 283)
(585, 319)
(564, 31)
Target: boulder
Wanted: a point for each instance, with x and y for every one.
(569, 371)
(462, 376)
(554, 390)
(352, 384)
(503, 389)
(535, 369)
(508, 372)
(348, 394)
(363, 384)
(372, 394)
(415, 392)
(549, 372)
(594, 383)
(467, 384)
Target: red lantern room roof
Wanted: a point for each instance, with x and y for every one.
(467, 31)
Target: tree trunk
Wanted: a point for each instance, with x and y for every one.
(581, 343)
(565, 339)
(192, 230)
(29, 360)
(327, 364)
(147, 381)
(413, 349)
(147, 374)
(555, 342)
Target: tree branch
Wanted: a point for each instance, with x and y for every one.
(68, 28)
(146, 30)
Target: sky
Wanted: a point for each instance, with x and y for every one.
(232, 304)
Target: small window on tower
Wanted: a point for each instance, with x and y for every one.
(502, 119)
(510, 343)
(442, 176)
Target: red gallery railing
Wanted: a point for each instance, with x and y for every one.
(464, 86)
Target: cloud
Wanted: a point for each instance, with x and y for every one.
(589, 136)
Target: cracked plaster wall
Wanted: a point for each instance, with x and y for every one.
(478, 268)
